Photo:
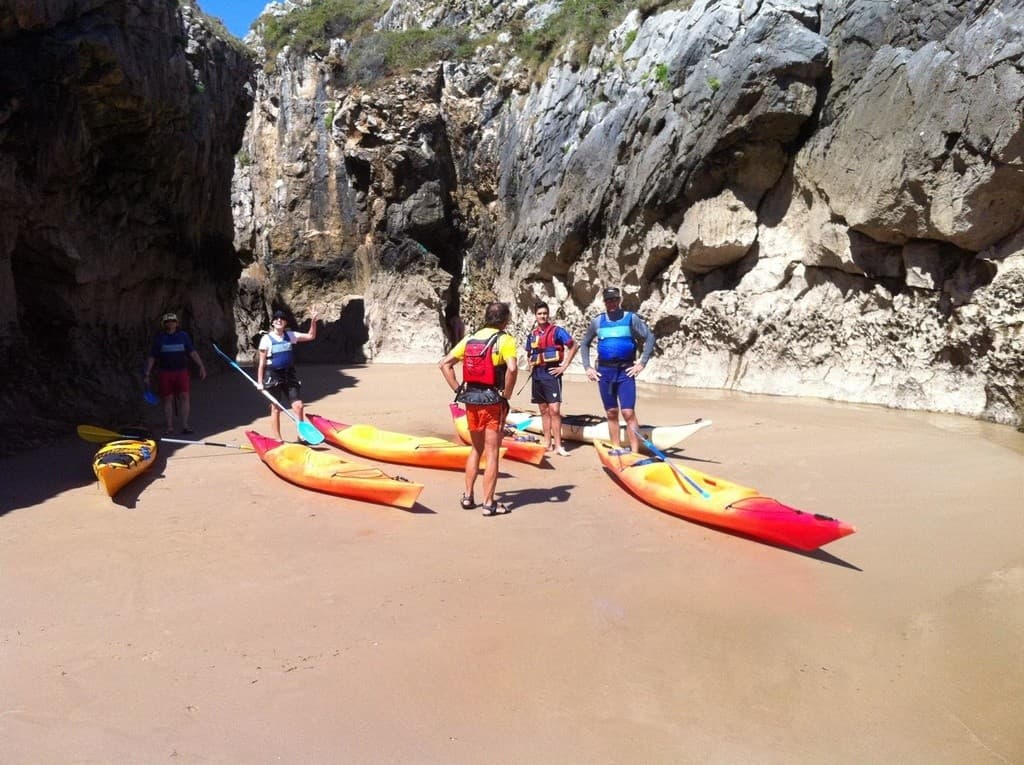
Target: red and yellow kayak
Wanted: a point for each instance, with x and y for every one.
(118, 462)
(388, 446)
(326, 472)
(728, 505)
(523, 446)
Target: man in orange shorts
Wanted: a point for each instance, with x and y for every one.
(489, 370)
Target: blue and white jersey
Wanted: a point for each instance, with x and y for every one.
(171, 350)
(280, 349)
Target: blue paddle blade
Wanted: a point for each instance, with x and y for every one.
(309, 433)
(526, 423)
(150, 397)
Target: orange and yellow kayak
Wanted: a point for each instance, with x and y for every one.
(388, 446)
(522, 446)
(726, 505)
(118, 462)
(326, 472)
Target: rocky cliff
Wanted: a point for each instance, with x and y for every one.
(802, 197)
(119, 121)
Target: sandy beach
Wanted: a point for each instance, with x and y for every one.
(214, 613)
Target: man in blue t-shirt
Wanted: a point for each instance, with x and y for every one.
(619, 336)
(170, 352)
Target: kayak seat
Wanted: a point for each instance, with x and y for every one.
(124, 460)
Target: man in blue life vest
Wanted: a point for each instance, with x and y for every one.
(550, 350)
(276, 370)
(619, 335)
(170, 353)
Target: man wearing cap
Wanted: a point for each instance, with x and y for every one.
(276, 371)
(172, 349)
(619, 335)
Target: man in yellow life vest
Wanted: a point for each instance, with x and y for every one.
(550, 349)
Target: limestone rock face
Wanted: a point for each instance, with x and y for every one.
(118, 126)
(801, 197)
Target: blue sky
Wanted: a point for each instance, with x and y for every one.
(237, 15)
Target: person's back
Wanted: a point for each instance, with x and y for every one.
(489, 376)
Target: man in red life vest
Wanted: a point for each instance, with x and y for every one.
(489, 369)
(550, 349)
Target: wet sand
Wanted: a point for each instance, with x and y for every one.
(215, 614)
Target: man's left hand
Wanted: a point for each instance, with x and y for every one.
(635, 370)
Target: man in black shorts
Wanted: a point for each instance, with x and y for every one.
(550, 349)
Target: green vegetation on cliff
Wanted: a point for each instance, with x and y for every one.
(373, 54)
(308, 29)
(585, 23)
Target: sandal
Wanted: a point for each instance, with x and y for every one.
(495, 509)
(467, 502)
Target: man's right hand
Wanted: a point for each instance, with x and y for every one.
(593, 375)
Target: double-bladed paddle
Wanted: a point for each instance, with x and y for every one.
(307, 431)
(664, 458)
(102, 435)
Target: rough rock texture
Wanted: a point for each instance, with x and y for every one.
(806, 198)
(802, 198)
(118, 125)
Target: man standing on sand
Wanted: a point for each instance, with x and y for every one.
(172, 349)
(489, 369)
(550, 350)
(276, 371)
(619, 334)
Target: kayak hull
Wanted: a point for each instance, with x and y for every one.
(326, 472)
(588, 429)
(389, 446)
(118, 463)
(729, 505)
(523, 447)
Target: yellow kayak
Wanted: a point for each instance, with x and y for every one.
(327, 472)
(118, 462)
(388, 446)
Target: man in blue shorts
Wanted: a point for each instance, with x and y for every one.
(550, 350)
(619, 335)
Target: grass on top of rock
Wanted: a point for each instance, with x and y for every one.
(373, 54)
(585, 23)
(309, 29)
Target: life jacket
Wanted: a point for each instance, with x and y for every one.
(543, 347)
(478, 367)
(615, 343)
(281, 355)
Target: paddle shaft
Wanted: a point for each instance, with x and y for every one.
(306, 430)
(528, 378)
(679, 471)
(243, 447)
(101, 436)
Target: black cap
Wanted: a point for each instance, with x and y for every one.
(612, 293)
(280, 315)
